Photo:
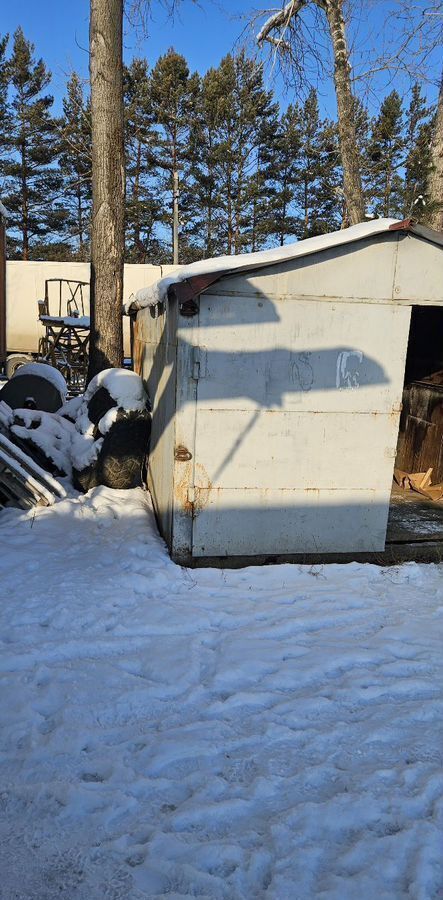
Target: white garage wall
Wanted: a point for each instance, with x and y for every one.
(25, 285)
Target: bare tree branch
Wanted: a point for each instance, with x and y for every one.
(280, 19)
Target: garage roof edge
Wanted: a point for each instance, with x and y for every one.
(188, 282)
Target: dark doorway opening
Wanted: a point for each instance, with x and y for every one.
(414, 517)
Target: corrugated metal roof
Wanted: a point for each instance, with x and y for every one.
(189, 281)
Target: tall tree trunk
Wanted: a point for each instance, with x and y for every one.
(175, 215)
(345, 107)
(306, 204)
(435, 184)
(387, 204)
(283, 212)
(210, 201)
(135, 197)
(108, 184)
(25, 208)
(229, 214)
(79, 214)
(355, 210)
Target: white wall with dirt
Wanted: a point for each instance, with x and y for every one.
(25, 285)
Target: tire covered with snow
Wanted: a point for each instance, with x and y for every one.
(120, 460)
(35, 386)
(99, 404)
(115, 415)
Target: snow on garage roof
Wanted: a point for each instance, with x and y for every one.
(195, 278)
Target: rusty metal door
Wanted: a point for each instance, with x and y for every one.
(296, 425)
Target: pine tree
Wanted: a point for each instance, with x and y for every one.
(418, 160)
(5, 117)
(204, 226)
(260, 189)
(286, 171)
(362, 131)
(32, 179)
(75, 165)
(317, 191)
(173, 98)
(386, 150)
(234, 169)
(248, 140)
(143, 209)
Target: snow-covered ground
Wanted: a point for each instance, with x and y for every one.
(266, 732)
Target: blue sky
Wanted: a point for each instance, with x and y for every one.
(203, 33)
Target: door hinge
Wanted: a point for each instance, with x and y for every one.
(198, 363)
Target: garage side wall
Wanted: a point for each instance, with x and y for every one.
(155, 359)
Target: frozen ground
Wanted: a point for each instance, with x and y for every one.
(260, 733)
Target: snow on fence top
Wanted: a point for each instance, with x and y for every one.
(223, 265)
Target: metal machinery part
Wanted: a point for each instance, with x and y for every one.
(65, 344)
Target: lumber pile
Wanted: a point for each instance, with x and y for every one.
(22, 481)
(420, 482)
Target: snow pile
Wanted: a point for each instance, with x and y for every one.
(44, 371)
(49, 432)
(125, 390)
(85, 445)
(124, 386)
(71, 440)
(261, 733)
(71, 407)
(158, 292)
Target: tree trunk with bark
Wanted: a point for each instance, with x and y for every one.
(352, 186)
(108, 185)
(175, 215)
(435, 185)
(25, 211)
(333, 9)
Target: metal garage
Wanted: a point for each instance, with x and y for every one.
(276, 380)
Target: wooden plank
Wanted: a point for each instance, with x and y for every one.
(426, 479)
(28, 482)
(29, 465)
(15, 489)
(432, 493)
